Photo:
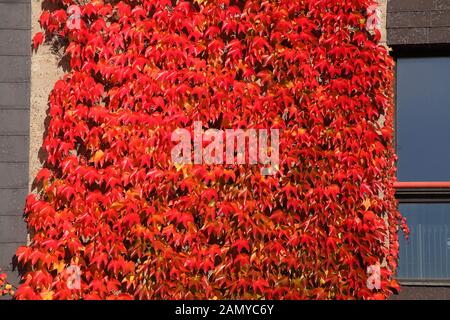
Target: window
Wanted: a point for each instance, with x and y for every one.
(423, 119)
(426, 255)
(423, 148)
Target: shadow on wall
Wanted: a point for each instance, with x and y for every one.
(57, 46)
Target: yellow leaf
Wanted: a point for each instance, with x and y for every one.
(301, 131)
(116, 205)
(200, 1)
(98, 156)
(47, 295)
(367, 203)
(59, 267)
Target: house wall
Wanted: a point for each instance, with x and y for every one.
(416, 22)
(25, 83)
(24, 103)
(413, 25)
(14, 126)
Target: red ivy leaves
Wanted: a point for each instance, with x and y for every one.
(112, 204)
(38, 39)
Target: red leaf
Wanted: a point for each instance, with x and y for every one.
(38, 39)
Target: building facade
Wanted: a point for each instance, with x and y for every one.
(418, 33)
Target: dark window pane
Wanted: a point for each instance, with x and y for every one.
(426, 255)
(423, 119)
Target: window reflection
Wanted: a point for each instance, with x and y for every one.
(426, 255)
(423, 119)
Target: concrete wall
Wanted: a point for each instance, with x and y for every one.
(44, 74)
(382, 4)
(14, 126)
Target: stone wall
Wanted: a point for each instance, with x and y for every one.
(416, 22)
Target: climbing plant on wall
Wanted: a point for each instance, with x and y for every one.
(111, 203)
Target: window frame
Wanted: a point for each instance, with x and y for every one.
(420, 192)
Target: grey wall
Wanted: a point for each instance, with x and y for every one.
(418, 22)
(15, 16)
(423, 293)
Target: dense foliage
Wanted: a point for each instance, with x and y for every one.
(112, 203)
